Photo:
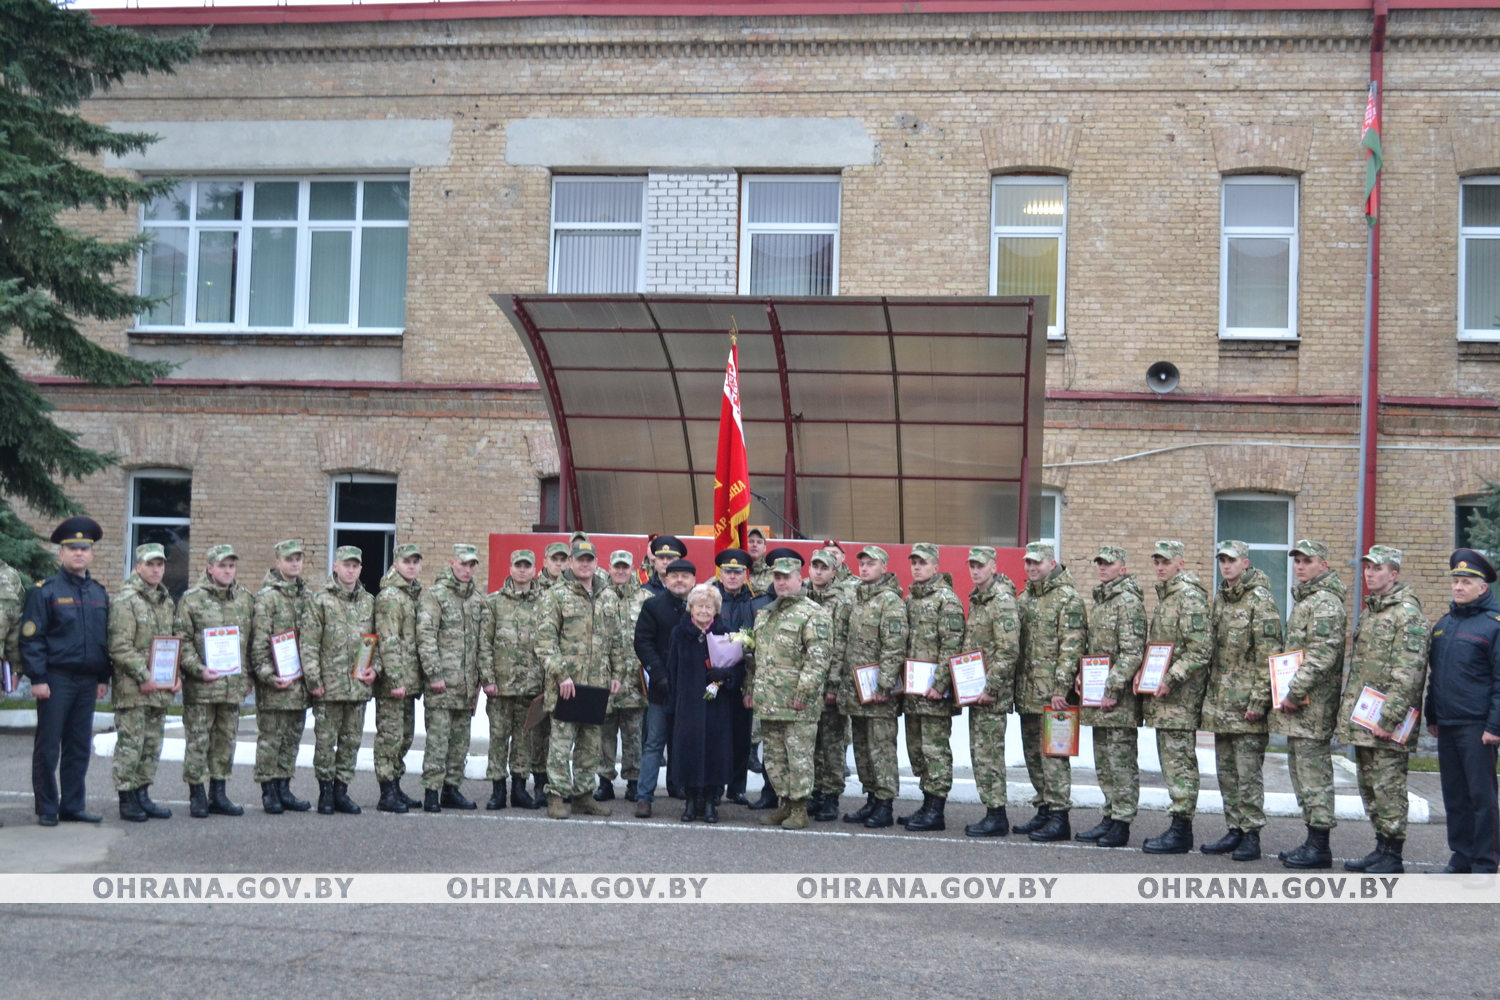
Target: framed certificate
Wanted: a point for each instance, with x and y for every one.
(1153, 667)
(285, 657)
(1095, 674)
(1403, 732)
(367, 644)
(969, 676)
(166, 650)
(221, 650)
(866, 679)
(918, 677)
(1283, 669)
(1060, 732)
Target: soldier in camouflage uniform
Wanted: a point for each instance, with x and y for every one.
(627, 710)
(1117, 629)
(1054, 635)
(338, 618)
(142, 612)
(1181, 618)
(994, 628)
(1318, 626)
(759, 578)
(578, 640)
(12, 600)
(210, 702)
(511, 676)
(876, 635)
(280, 704)
(824, 590)
(1390, 655)
(556, 555)
(1247, 633)
(449, 618)
(934, 632)
(398, 677)
(784, 679)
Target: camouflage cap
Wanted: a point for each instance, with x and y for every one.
(1110, 554)
(523, 556)
(1040, 551)
(150, 551)
(407, 550)
(982, 554)
(290, 547)
(1311, 549)
(874, 552)
(1233, 549)
(578, 536)
(925, 551)
(557, 549)
(825, 557)
(465, 553)
(1168, 549)
(786, 567)
(346, 552)
(1380, 555)
(582, 548)
(621, 557)
(219, 553)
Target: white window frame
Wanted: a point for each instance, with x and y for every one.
(1060, 231)
(335, 525)
(643, 227)
(748, 229)
(1464, 234)
(1285, 550)
(1055, 498)
(1227, 332)
(132, 519)
(245, 227)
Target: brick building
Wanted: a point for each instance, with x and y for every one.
(1186, 186)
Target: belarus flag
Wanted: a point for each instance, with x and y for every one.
(1370, 140)
(732, 470)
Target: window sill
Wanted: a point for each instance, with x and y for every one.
(1471, 349)
(1239, 347)
(249, 338)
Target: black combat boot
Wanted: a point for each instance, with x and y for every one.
(341, 800)
(432, 801)
(768, 798)
(606, 790)
(1390, 861)
(218, 802)
(389, 801)
(930, 818)
(691, 812)
(518, 796)
(325, 798)
(1036, 822)
(630, 790)
(1249, 849)
(926, 801)
(197, 802)
(1226, 843)
(130, 809)
(454, 799)
(994, 824)
(143, 796)
(828, 808)
(289, 801)
(1096, 831)
(881, 815)
(1314, 852)
(270, 798)
(1118, 835)
(863, 812)
(711, 809)
(1057, 827)
(1369, 859)
(497, 796)
(1177, 840)
(407, 800)
(539, 790)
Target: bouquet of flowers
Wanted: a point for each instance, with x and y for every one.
(724, 651)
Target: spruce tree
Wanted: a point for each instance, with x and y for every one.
(51, 60)
(1484, 524)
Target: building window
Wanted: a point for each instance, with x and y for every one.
(789, 236)
(549, 504)
(1258, 258)
(1479, 259)
(598, 235)
(1052, 521)
(364, 514)
(1028, 241)
(161, 504)
(277, 255)
(1264, 522)
(1463, 529)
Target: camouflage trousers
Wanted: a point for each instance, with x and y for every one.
(447, 748)
(1052, 777)
(395, 725)
(1119, 773)
(622, 725)
(1382, 784)
(210, 733)
(1242, 765)
(1310, 763)
(1178, 750)
(832, 751)
(789, 749)
(572, 758)
(987, 752)
(931, 754)
(338, 727)
(875, 755)
(512, 749)
(137, 746)
(278, 735)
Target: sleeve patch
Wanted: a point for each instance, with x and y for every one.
(29, 629)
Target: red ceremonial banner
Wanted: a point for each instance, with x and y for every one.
(732, 470)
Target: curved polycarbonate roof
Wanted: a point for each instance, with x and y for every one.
(908, 419)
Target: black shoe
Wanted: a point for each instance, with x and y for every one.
(270, 798)
(863, 812)
(325, 798)
(1226, 843)
(929, 819)
(341, 800)
(518, 796)
(1365, 862)
(1036, 822)
(1178, 838)
(754, 763)
(691, 812)
(83, 816)
(289, 801)
(1096, 831)
(1454, 869)
(402, 797)
(218, 802)
(1118, 836)
(46, 819)
(539, 790)
(389, 802)
(606, 790)
(1313, 853)
(497, 796)
(739, 799)
(768, 798)
(1249, 849)
(454, 799)
(881, 815)
(711, 810)
(130, 809)
(432, 801)
(1390, 861)
(197, 802)
(1057, 827)
(828, 809)
(926, 801)
(994, 824)
(676, 792)
(630, 792)
(143, 796)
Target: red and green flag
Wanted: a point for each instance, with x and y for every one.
(732, 470)
(1370, 140)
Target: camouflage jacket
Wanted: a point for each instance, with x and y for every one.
(449, 618)
(336, 622)
(1247, 633)
(876, 634)
(1117, 629)
(396, 624)
(1390, 655)
(280, 606)
(1318, 626)
(631, 596)
(544, 581)
(994, 628)
(934, 632)
(137, 616)
(759, 577)
(205, 606)
(793, 636)
(836, 599)
(578, 635)
(1054, 634)
(507, 642)
(12, 600)
(1181, 618)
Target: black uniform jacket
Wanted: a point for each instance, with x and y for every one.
(1463, 682)
(64, 628)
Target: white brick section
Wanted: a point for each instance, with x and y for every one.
(693, 241)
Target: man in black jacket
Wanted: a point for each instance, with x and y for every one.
(1463, 712)
(65, 651)
(653, 633)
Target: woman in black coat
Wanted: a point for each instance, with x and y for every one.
(702, 730)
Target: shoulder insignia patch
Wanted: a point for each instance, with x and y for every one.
(29, 629)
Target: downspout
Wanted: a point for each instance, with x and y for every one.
(1369, 405)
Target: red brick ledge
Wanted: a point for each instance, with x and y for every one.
(217, 383)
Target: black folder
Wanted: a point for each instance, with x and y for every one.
(588, 705)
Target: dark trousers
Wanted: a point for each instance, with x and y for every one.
(739, 746)
(1469, 796)
(64, 728)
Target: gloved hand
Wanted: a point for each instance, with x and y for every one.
(720, 675)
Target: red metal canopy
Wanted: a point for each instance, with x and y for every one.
(865, 417)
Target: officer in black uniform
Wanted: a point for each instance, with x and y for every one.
(740, 606)
(64, 651)
(1463, 712)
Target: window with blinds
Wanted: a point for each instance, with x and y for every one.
(1028, 241)
(1258, 258)
(598, 235)
(789, 236)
